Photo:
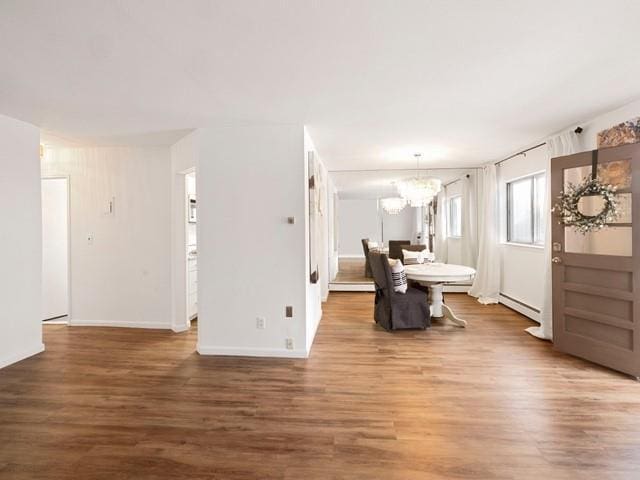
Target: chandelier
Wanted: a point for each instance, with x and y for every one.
(419, 191)
(393, 205)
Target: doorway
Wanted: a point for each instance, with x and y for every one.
(596, 272)
(191, 237)
(55, 250)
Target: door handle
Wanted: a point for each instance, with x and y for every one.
(556, 260)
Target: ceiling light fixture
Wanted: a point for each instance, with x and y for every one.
(393, 205)
(418, 191)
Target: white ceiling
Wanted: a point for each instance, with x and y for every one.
(375, 80)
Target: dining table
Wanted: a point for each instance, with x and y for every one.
(435, 276)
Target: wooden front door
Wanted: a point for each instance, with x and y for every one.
(596, 277)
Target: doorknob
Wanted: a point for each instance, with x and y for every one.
(556, 260)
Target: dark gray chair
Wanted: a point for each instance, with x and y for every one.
(395, 248)
(393, 310)
(367, 264)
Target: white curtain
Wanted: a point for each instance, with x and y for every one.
(440, 247)
(566, 143)
(486, 286)
(469, 222)
(417, 229)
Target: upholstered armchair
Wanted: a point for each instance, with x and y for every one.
(393, 310)
(395, 248)
(367, 264)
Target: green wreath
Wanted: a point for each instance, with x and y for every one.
(570, 214)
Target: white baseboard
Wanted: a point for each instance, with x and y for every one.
(16, 357)
(251, 352)
(352, 287)
(347, 256)
(119, 324)
(520, 307)
(181, 328)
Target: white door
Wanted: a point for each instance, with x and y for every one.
(55, 248)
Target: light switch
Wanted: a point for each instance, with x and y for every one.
(90, 239)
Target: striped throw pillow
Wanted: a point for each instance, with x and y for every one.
(399, 277)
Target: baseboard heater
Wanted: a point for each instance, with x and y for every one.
(519, 306)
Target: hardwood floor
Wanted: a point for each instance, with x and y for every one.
(486, 402)
(351, 270)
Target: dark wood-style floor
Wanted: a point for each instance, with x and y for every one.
(351, 270)
(486, 402)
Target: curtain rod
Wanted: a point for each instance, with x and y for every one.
(497, 164)
(404, 169)
(578, 130)
(456, 180)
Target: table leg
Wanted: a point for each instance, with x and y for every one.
(439, 309)
(448, 313)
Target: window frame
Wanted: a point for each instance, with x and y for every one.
(537, 218)
(451, 199)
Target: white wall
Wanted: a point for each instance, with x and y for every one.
(522, 266)
(251, 261)
(357, 219)
(122, 277)
(20, 241)
(400, 226)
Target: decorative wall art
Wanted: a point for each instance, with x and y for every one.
(621, 134)
(314, 211)
(571, 211)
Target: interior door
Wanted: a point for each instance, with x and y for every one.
(55, 248)
(596, 277)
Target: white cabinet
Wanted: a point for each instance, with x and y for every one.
(192, 284)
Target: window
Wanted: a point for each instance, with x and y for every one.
(525, 210)
(455, 216)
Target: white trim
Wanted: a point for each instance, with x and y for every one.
(119, 323)
(251, 352)
(180, 329)
(527, 311)
(522, 245)
(16, 357)
(357, 255)
(352, 287)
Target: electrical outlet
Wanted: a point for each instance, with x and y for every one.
(289, 343)
(261, 323)
(288, 311)
(89, 238)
